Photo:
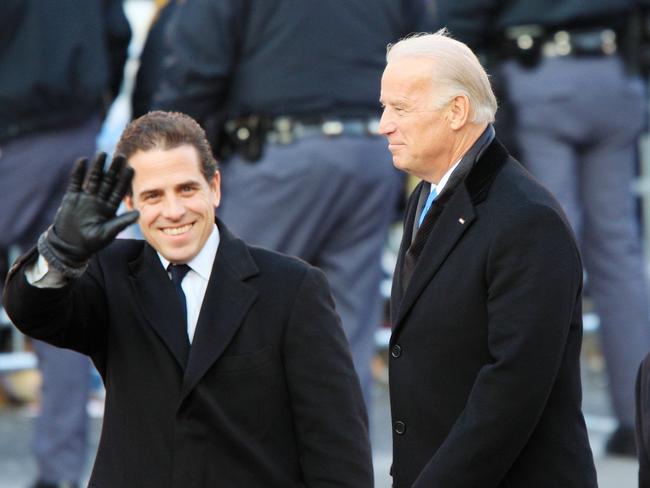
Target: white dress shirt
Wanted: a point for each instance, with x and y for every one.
(196, 281)
(443, 181)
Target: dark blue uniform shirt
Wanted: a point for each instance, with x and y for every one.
(282, 57)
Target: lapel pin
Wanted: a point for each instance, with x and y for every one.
(461, 220)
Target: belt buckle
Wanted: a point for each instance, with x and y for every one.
(372, 127)
(283, 128)
(608, 45)
(332, 128)
(559, 45)
(564, 44)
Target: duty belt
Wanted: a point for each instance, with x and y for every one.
(248, 135)
(528, 43)
(285, 130)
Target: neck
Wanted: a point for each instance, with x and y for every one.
(466, 138)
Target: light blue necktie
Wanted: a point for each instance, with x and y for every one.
(432, 196)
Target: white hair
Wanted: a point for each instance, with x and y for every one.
(456, 71)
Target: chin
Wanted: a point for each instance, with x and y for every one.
(177, 256)
(400, 165)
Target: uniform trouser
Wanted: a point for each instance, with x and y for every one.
(330, 202)
(34, 172)
(60, 438)
(578, 124)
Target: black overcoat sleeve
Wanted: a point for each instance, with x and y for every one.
(73, 317)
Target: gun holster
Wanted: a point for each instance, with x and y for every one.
(222, 146)
(247, 135)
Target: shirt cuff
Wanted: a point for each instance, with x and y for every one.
(41, 275)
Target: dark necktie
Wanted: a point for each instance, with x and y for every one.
(178, 272)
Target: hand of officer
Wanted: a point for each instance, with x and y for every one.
(86, 221)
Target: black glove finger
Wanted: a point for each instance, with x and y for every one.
(122, 186)
(116, 225)
(95, 174)
(108, 182)
(77, 175)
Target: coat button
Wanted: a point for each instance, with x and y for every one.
(396, 351)
(399, 427)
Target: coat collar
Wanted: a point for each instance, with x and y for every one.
(155, 294)
(485, 170)
(457, 216)
(227, 299)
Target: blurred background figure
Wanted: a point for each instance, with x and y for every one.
(61, 65)
(288, 91)
(150, 68)
(577, 104)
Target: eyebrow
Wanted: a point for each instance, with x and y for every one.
(150, 191)
(398, 100)
(192, 183)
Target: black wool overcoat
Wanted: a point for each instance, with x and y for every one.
(265, 397)
(484, 362)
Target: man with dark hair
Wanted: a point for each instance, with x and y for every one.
(224, 364)
(294, 85)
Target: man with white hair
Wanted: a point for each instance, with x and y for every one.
(484, 355)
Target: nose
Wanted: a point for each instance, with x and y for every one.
(173, 208)
(386, 125)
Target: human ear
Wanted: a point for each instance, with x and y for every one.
(215, 186)
(458, 114)
(128, 202)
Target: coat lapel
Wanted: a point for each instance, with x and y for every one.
(397, 291)
(226, 302)
(457, 216)
(161, 308)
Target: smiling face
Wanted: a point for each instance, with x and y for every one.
(419, 135)
(176, 203)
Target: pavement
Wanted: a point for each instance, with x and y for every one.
(17, 468)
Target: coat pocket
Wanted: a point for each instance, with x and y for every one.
(243, 362)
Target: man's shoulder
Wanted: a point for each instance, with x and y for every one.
(500, 186)
(518, 204)
(517, 186)
(268, 269)
(277, 262)
(283, 274)
(516, 197)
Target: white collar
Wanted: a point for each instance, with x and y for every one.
(202, 263)
(443, 181)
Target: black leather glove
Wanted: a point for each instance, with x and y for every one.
(86, 221)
